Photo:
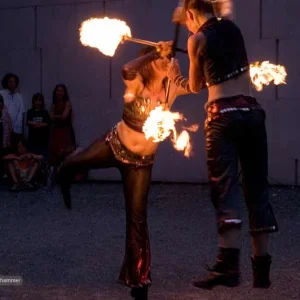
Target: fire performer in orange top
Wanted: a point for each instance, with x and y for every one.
(126, 148)
(234, 130)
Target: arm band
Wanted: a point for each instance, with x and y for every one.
(183, 83)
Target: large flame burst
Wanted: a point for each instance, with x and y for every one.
(161, 124)
(104, 34)
(263, 73)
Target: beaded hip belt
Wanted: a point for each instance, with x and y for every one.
(123, 154)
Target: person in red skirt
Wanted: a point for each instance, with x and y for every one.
(62, 137)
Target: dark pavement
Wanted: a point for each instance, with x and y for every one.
(77, 254)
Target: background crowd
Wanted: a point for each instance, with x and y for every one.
(31, 162)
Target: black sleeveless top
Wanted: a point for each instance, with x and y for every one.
(225, 55)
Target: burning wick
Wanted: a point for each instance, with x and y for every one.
(104, 34)
(263, 73)
(161, 123)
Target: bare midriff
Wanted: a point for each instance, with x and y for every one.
(236, 86)
(135, 141)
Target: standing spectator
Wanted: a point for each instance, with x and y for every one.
(5, 127)
(14, 103)
(38, 124)
(5, 133)
(62, 137)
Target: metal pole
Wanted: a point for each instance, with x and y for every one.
(149, 43)
(139, 41)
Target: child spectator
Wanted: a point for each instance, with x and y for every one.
(38, 124)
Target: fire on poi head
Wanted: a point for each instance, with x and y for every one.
(161, 124)
(263, 73)
(104, 34)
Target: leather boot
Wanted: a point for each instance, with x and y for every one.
(140, 293)
(225, 272)
(261, 271)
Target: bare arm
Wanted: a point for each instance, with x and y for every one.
(65, 114)
(11, 157)
(132, 68)
(67, 111)
(196, 44)
(36, 157)
(52, 115)
(43, 124)
(36, 125)
(195, 82)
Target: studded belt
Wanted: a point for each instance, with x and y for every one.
(230, 104)
(228, 76)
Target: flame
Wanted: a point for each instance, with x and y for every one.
(104, 34)
(183, 143)
(161, 124)
(262, 73)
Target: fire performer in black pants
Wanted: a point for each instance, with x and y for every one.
(126, 148)
(234, 129)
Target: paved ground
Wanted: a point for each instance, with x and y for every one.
(77, 255)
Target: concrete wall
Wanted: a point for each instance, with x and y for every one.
(40, 42)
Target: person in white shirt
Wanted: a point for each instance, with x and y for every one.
(14, 102)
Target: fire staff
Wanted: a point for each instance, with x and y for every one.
(234, 129)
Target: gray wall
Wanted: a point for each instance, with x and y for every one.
(40, 42)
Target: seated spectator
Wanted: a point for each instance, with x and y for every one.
(5, 133)
(38, 125)
(23, 167)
